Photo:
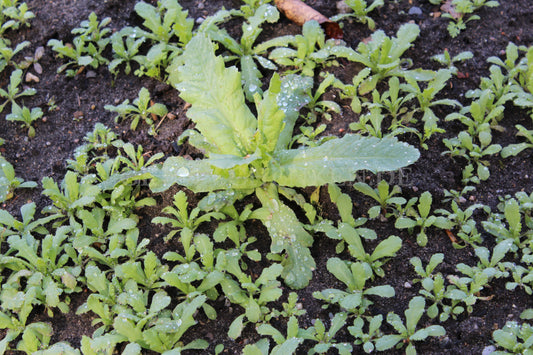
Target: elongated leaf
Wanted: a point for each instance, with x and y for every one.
(387, 341)
(414, 312)
(387, 248)
(341, 271)
(292, 97)
(196, 175)
(288, 347)
(270, 116)
(337, 160)
(215, 93)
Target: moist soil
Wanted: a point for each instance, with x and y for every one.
(80, 104)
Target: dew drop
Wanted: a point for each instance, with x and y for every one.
(183, 172)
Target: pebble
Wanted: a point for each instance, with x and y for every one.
(488, 350)
(199, 20)
(415, 10)
(407, 284)
(90, 74)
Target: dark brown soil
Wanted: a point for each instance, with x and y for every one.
(62, 131)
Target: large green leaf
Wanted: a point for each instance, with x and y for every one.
(337, 160)
(196, 175)
(217, 99)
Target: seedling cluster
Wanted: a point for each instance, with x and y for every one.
(257, 170)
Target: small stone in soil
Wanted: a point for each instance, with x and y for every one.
(415, 10)
(488, 350)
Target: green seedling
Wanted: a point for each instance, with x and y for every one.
(421, 217)
(7, 53)
(252, 296)
(13, 91)
(462, 219)
(394, 105)
(142, 108)
(360, 9)
(87, 47)
(512, 63)
(285, 344)
(463, 145)
(125, 50)
(79, 56)
(246, 52)
(512, 228)
(182, 220)
(369, 123)
(94, 31)
(9, 182)
(325, 339)
(369, 338)
(351, 91)
(522, 278)
(95, 230)
(191, 278)
(251, 7)
(14, 16)
(102, 301)
(309, 136)
(101, 138)
(248, 153)
(515, 338)
(355, 299)
(461, 8)
(466, 290)
(164, 23)
(319, 107)
(95, 151)
(306, 57)
(387, 248)
(47, 268)
(382, 54)
(515, 149)
(60, 348)
(134, 159)
(344, 204)
(147, 273)
(447, 60)
(485, 115)
(501, 86)
(435, 290)
(25, 116)
(383, 195)
(71, 195)
(28, 225)
(154, 327)
(407, 332)
(524, 97)
(290, 308)
(349, 234)
(426, 99)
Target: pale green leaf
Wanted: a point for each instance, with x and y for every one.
(197, 175)
(338, 160)
(215, 93)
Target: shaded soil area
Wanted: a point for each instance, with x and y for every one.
(80, 104)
